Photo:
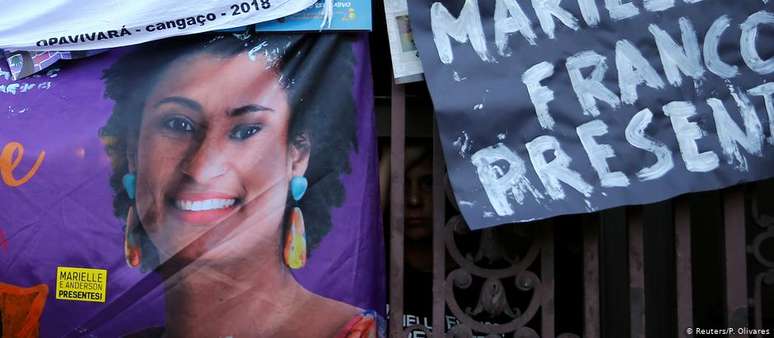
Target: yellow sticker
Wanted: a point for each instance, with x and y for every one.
(81, 284)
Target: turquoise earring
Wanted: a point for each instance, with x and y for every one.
(298, 187)
(130, 185)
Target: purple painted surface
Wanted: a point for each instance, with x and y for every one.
(63, 215)
(344, 252)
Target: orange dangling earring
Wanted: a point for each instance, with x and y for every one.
(131, 244)
(295, 242)
(132, 251)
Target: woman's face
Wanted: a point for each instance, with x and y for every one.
(419, 194)
(213, 150)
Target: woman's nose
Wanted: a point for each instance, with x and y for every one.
(207, 161)
(413, 199)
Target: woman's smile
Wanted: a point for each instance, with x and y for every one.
(202, 208)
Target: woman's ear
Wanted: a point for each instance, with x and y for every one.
(131, 161)
(299, 151)
(131, 152)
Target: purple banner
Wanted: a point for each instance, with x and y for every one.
(211, 185)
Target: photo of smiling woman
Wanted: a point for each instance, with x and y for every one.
(227, 153)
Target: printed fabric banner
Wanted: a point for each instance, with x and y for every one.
(69, 25)
(213, 185)
(551, 107)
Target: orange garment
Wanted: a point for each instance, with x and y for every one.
(366, 325)
(20, 309)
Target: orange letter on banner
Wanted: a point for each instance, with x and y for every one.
(8, 163)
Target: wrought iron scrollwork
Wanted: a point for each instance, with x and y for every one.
(493, 298)
(494, 272)
(764, 279)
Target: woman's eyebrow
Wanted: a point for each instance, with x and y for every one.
(247, 109)
(188, 103)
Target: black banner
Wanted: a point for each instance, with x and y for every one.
(550, 107)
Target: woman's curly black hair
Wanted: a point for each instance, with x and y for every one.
(317, 73)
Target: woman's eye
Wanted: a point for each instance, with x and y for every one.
(244, 132)
(179, 124)
(426, 182)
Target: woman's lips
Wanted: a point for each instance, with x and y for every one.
(418, 221)
(202, 209)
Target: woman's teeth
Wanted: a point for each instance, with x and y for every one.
(204, 205)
